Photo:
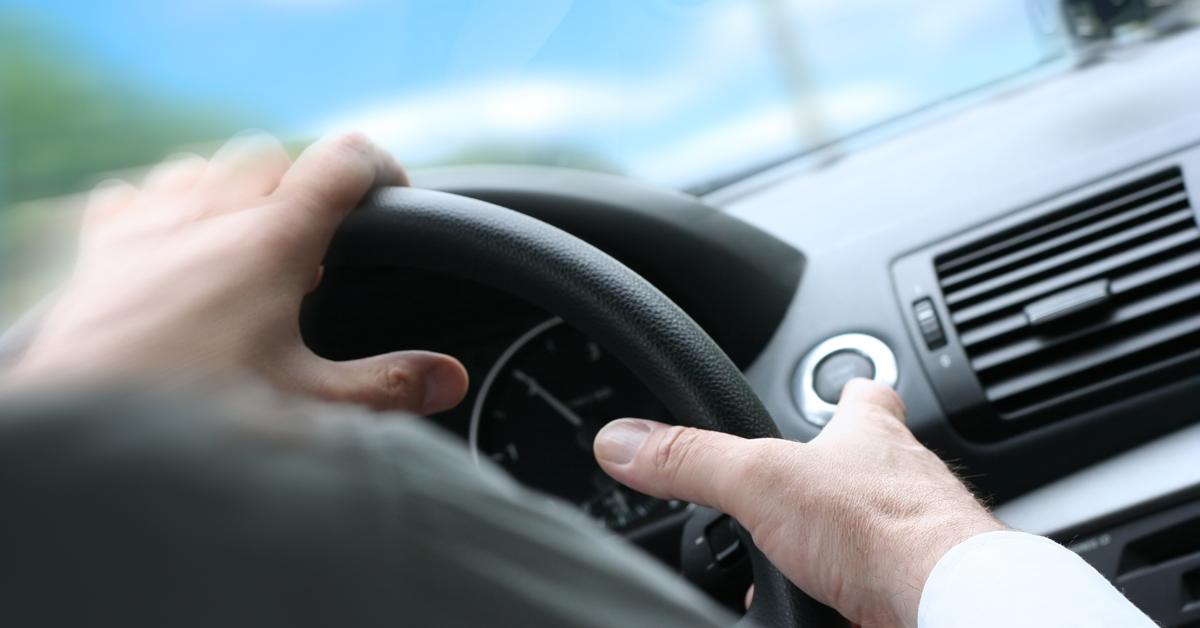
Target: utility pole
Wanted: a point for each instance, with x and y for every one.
(812, 129)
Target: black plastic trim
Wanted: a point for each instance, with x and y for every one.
(1148, 555)
(959, 390)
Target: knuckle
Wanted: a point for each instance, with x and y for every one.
(166, 173)
(875, 395)
(108, 192)
(185, 160)
(891, 400)
(858, 386)
(674, 449)
(112, 184)
(901, 409)
(354, 142)
(887, 420)
(254, 139)
(868, 388)
(878, 414)
(397, 386)
(874, 421)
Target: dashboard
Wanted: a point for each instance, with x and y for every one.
(955, 181)
(1077, 419)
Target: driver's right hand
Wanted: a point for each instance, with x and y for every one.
(203, 269)
(857, 518)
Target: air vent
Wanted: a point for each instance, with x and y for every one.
(1090, 303)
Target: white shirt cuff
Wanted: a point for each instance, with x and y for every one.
(1005, 579)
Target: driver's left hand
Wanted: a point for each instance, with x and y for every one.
(203, 270)
(857, 518)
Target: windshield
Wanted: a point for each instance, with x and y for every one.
(676, 92)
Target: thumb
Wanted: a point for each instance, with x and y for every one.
(421, 382)
(674, 462)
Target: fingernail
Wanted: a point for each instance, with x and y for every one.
(443, 388)
(619, 441)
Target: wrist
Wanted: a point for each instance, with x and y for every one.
(939, 537)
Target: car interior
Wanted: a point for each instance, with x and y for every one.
(1046, 341)
(1021, 263)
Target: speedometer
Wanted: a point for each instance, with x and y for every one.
(539, 409)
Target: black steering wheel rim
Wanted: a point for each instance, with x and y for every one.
(645, 330)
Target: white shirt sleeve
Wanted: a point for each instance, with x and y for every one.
(1006, 579)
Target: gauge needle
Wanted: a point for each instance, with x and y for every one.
(536, 390)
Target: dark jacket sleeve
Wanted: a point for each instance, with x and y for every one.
(125, 510)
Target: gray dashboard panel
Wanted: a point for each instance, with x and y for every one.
(1029, 145)
(1155, 470)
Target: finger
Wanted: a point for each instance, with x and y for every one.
(673, 462)
(865, 394)
(247, 167)
(867, 409)
(412, 381)
(106, 201)
(175, 175)
(749, 597)
(329, 179)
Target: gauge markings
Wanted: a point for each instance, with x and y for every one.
(536, 390)
(537, 414)
(509, 453)
(592, 397)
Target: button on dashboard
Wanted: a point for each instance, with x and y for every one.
(929, 323)
(822, 373)
(836, 369)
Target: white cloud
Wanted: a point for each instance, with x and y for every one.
(957, 23)
(728, 40)
(853, 106)
(768, 131)
(424, 126)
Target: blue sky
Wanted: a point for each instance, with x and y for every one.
(670, 90)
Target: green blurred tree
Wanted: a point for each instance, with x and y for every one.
(562, 155)
(64, 118)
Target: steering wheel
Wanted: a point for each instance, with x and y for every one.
(641, 327)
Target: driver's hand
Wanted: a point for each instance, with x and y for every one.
(857, 518)
(203, 269)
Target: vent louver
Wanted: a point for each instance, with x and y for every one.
(1093, 302)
